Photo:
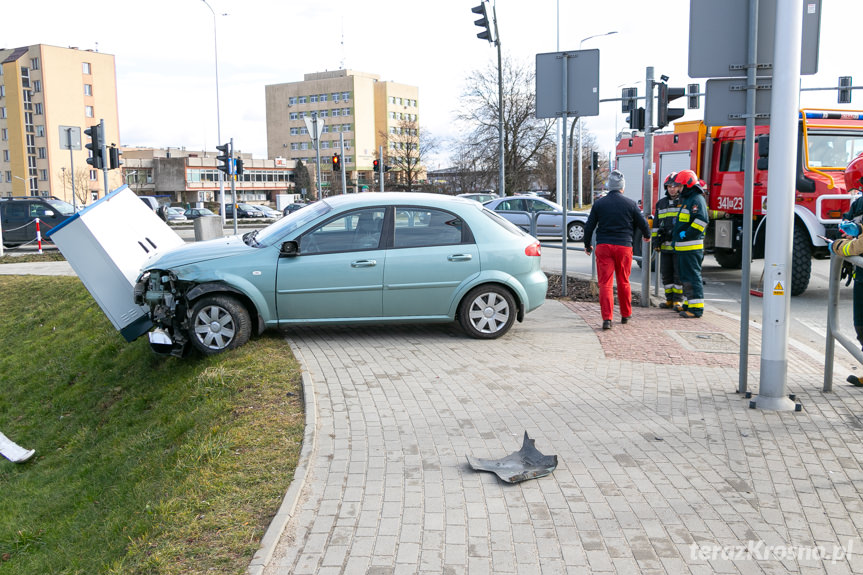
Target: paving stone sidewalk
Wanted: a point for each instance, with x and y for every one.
(663, 468)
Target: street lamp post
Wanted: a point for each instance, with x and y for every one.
(218, 113)
(583, 40)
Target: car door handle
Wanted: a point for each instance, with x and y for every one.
(364, 264)
(460, 258)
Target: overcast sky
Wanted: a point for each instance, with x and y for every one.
(166, 67)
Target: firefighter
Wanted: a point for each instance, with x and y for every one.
(852, 245)
(688, 238)
(664, 218)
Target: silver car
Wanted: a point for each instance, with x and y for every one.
(521, 209)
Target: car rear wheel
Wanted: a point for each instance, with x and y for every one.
(576, 232)
(219, 323)
(487, 312)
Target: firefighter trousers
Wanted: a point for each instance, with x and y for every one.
(689, 263)
(670, 275)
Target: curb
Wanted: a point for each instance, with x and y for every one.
(286, 511)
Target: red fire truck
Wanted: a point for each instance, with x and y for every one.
(827, 140)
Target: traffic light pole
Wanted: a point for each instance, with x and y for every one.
(104, 154)
(381, 166)
(647, 188)
(233, 186)
(343, 162)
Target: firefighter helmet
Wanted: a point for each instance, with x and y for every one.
(854, 174)
(669, 179)
(686, 178)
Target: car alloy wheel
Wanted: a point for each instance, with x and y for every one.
(219, 323)
(487, 311)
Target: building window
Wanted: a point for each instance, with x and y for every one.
(304, 146)
(85, 67)
(295, 131)
(346, 96)
(313, 99)
(37, 85)
(5, 155)
(335, 96)
(302, 99)
(41, 153)
(40, 131)
(37, 108)
(93, 174)
(295, 146)
(323, 97)
(2, 90)
(325, 145)
(4, 134)
(9, 176)
(326, 130)
(43, 175)
(88, 111)
(346, 127)
(292, 100)
(2, 112)
(88, 89)
(34, 63)
(294, 116)
(324, 113)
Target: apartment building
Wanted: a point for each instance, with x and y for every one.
(45, 91)
(355, 106)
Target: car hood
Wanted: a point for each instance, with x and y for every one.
(198, 252)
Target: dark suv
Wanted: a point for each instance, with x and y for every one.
(18, 217)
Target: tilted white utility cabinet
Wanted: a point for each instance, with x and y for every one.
(106, 244)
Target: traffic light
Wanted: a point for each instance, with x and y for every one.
(376, 165)
(225, 159)
(95, 146)
(845, 89)
(636, 119)
(238, 167)
(114, 160)
(337, 163)
(664, 114)
(595, 163)
(763, 151)
(482, 22)
(628, 98)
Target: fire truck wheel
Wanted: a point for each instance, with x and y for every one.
(728, 258)
(801, 260)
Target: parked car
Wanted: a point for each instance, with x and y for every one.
(291, 208)
(480, 197)
(520, 209)
(270, 212)
(174, 214)
(445, 259)
(18, 217)
(243, 211)
(194, 213)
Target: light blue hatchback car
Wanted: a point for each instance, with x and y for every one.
(358, 258)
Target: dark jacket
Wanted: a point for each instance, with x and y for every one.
(614, 217)
(664, 219)
(691, 220)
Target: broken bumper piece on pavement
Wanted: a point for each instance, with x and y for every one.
(526, 463)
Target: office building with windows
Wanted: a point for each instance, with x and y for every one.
(355, 106)
(45, 91)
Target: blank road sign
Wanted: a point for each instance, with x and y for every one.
(582, 80)
(719, 33)
(726, 101)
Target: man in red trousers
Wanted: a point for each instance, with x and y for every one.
(615, 218)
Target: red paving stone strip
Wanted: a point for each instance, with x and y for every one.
(646, 338)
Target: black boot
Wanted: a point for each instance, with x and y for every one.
(854, 380)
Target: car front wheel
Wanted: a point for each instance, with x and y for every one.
(487, 312)
(219, 323)
(575, 232)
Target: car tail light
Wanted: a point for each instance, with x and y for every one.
(533, 250)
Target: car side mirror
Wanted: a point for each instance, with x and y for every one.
(289, 249)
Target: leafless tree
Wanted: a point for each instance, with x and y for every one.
(81, 180)
(406, 149)
(524, 135)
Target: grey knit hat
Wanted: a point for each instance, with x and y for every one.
(616, 181)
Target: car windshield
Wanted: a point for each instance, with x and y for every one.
(293, 221)
(62, 207)
(833, 149)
